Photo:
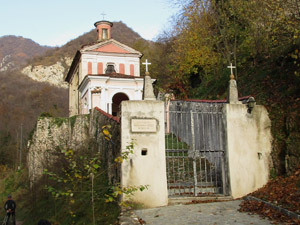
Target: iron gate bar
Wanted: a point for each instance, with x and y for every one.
(194, 157)
(195, 165)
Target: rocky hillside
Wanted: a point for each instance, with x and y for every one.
(15, 51)
(52, 74)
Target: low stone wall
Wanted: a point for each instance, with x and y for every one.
(108, 149)
(53, 134)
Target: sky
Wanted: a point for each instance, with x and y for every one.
(55, 22)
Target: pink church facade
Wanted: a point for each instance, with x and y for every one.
(103, 74)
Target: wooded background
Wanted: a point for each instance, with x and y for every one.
(190, 59)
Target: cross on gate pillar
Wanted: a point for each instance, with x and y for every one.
(233, 97)
(148, 93)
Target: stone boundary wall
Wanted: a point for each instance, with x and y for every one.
(53, 134)
(108, 149)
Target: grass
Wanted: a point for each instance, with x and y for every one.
(172, 142)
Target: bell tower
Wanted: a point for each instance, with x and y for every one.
(103, 29)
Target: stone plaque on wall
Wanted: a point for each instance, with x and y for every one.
(143, 125)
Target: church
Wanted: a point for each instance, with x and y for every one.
(103, 74)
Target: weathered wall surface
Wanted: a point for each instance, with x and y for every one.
(147, 164)
(249, 147)
(108, 149)
(54, 134)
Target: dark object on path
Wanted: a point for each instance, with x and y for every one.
(44, 222)
(10, 208)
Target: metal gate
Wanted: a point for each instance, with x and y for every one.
(195, 149)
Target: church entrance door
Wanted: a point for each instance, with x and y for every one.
(116, 101)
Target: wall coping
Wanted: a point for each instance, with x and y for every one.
(108, 115)
(210, 101)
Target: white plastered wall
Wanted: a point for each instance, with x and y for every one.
(133, 88)
(249, 146)
(106, 59)
(149, 169)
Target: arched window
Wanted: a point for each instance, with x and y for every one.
(104, 34)
(110, 69)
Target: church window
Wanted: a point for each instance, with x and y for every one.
(110, 69)
(104, 34)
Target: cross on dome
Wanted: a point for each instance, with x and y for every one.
(231, 68)
(146, 63)
(103, 14)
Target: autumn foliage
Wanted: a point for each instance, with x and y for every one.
(261, 38)
(283, 192)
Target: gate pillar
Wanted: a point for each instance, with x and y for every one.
(249, 146)
(142, 123)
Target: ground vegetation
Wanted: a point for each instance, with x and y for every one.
(282, 191)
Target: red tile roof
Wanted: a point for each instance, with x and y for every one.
(211, 101)
(115, 118)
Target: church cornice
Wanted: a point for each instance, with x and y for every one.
(103, 22)
(111, 54)
(91, 47)
(106, 78)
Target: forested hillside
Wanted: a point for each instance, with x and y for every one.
(262, 39)
(22, 101)
(15, 51)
